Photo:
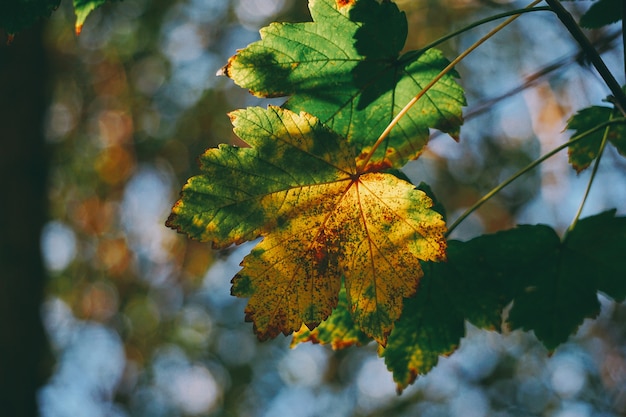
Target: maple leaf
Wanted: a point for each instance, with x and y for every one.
(584, 151)
(345, 68)
(466, 287)
(600, 241)
(553, 285)
(555, 281)
(338, 330)
(321, 218)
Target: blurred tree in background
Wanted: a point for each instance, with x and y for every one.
(140, 319)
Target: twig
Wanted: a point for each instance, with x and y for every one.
(568, 21)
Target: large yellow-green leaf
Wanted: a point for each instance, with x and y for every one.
(321, 219)
(345, 68)
(338, 330)
(247, 191)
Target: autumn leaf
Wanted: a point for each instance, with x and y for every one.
(345, 68)
(584, 151)
(338, 330)
(322, 220)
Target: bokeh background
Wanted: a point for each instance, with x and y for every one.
(140, 320)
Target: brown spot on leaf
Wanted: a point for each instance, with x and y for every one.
(344, 3)
(225, 70)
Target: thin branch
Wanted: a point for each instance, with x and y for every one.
(605, 138)
(568, 21)
(412, 55)
(526, 169)
(624, 34)
(428, 86)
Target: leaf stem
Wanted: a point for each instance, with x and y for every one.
(593, 175)
(412, 55)
(428, 86)
(624, 34)
(529, 167)
(568, 21)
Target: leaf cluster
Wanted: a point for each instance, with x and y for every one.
(314, 183)
(351, 251)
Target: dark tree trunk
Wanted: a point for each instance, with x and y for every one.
(23, 198)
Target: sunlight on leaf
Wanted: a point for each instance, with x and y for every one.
(355, 88)
(338, 330)
(82, 9)
(298, 187)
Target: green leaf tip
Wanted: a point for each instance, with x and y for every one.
(82, 9)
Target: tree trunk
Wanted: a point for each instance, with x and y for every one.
(23, 345)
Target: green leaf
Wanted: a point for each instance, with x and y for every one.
(18, 15)
(338, 330)
(345, 68)
(243, 191)
(600, 241)
(555, 292)
(553, 287)
(602, 13)
(584, 151)
(82, 9)
(321, 219)
(469, 286)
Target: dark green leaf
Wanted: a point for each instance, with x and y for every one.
(600, 241)
(469, 286)
(16, 15)
(602, 13)
(583, 152)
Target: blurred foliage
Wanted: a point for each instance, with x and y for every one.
(141, 328)
(18, 15)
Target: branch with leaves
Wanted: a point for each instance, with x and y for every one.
(352, 251)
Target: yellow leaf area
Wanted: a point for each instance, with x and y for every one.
(371, 229)
(322, 220)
